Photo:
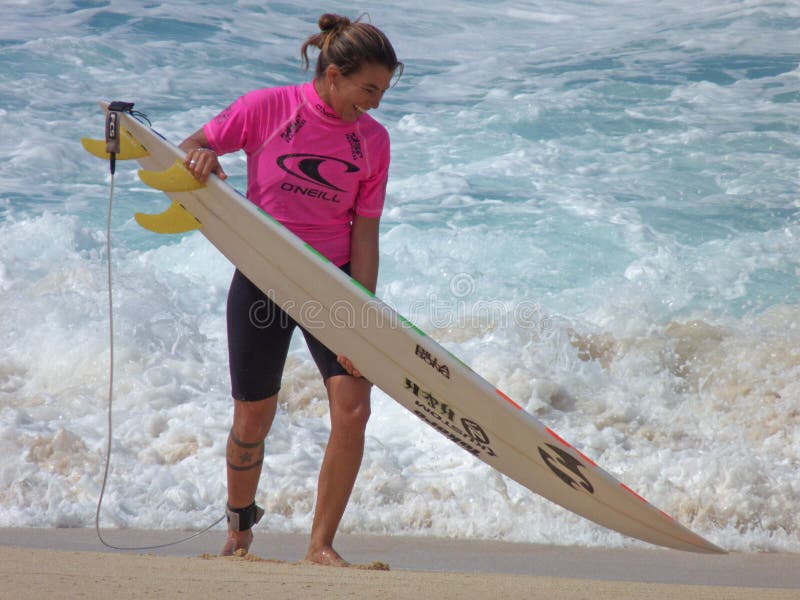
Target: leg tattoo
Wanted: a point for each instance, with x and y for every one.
(244, 456)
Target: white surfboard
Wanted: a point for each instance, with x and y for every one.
(390, 351)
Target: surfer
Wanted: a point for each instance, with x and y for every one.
(318, 163)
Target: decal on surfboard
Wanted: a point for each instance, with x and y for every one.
(443, 417)
(566, 467)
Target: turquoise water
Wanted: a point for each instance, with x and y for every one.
(594, 205)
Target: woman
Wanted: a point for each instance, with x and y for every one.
(318, 164)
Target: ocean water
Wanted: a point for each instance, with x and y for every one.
(594, 204)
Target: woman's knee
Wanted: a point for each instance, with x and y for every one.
(252, 420)
(356, 416)
(350, 403)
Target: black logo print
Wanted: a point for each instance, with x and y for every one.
(442, 368)
(568, 462)
(308, 166)
(293, 128)
(355, 145)
(475, 431)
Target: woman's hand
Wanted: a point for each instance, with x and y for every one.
(345, 362)
(200, 159)
(201, 162)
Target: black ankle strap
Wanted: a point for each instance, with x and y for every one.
(242, 519)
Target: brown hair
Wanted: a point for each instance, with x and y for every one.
(348, 45)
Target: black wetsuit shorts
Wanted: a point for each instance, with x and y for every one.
(259, 333)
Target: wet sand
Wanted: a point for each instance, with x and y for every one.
(73, 563)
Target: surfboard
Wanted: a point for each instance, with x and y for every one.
(389, 350)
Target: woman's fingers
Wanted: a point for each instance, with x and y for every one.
(201, 162)
(348, 365)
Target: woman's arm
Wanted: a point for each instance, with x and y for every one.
(364, 251)
(363, 264)
(200, 159)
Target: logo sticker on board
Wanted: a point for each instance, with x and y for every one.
(566, 467)
(441, 416)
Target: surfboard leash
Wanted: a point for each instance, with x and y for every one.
(112, 132)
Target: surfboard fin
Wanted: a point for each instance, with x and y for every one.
(177, 178)
(175, 219)
(129, 147)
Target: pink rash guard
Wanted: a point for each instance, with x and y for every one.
(306, 167)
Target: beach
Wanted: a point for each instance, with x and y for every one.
(72, 563)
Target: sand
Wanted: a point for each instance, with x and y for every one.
(72, 563)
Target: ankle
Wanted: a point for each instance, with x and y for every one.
(238, 542)
(325, 555)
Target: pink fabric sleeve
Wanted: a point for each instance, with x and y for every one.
(232, 129)
(372, 192)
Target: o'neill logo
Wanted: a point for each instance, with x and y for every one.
(309, 167)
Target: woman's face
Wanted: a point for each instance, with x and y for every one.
(352, 95)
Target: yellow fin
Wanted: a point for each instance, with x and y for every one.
(128, 147)
(175, 179)
(175, 219)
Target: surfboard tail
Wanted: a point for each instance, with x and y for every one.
(176, 178)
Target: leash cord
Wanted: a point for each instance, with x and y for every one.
(111, 397)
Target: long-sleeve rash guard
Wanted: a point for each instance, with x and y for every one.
(307, 168)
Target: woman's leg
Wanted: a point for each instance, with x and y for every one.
(258, 341)
(349, 410)
(245, 455)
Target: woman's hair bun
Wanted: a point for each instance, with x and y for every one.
(329, 22)
(349, 45)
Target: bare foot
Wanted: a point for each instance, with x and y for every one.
(326, 556)
(238, 542)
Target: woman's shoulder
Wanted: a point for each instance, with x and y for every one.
(271, 94)
(270, 104)
(370, 126)
(372, 129)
